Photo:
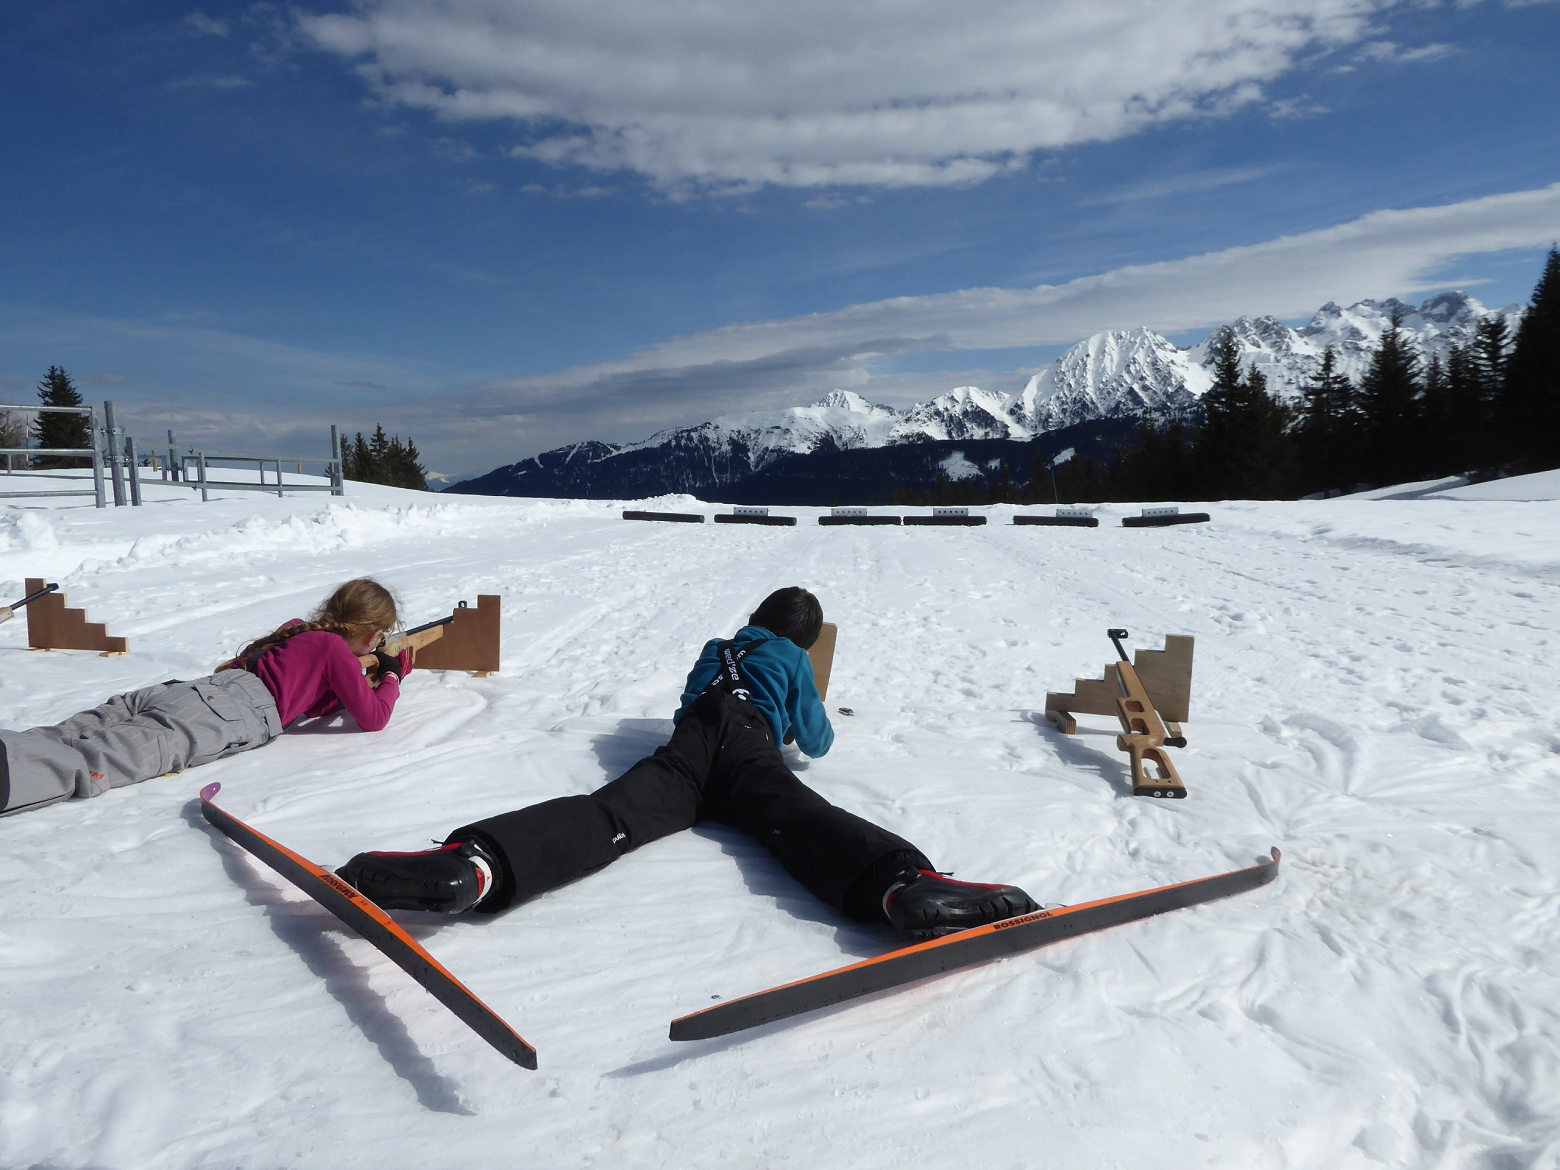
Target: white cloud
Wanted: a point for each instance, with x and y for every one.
(1392, 252)
(1186, 183)
(1300, 107)
(814, 92)
(1387, 51)
(201, 25)
(231, 82)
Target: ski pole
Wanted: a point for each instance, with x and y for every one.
(7, 612)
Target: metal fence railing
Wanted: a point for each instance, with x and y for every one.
(183, 461)
(93, 452)
(113, 452)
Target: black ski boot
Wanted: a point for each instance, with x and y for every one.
(922, 905)
(448, 880)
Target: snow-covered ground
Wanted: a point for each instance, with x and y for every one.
(1374, 693)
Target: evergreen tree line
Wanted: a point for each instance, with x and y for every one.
(379, 459)
(1490, 407)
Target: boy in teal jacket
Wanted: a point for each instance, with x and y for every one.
(744, 698)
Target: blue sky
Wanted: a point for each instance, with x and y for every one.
(503, 225)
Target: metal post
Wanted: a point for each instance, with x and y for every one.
(111, 422)
(278, 479)
(200, 462)
(97, 457)
(173, 467)
(135, 472)
(337, 486)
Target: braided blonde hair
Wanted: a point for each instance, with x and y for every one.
(359, 607)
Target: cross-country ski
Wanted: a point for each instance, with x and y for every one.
(374, 925)
(965, 949)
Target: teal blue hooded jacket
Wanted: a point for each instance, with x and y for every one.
(782, 682)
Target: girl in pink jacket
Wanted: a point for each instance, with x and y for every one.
(301, 670)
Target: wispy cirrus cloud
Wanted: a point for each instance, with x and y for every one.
(811, 93)
(779, 363)
(466, 427)
(197, 23)
(1186, 183)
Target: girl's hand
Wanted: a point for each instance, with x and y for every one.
(389, 664)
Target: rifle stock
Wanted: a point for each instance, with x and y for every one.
(1143, 734)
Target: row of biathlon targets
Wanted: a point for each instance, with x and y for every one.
(1158, 517)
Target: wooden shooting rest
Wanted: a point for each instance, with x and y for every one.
(822, 656)
(50, 626)
(1150, 696)
(467, 640)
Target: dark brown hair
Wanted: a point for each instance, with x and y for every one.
(792, 613)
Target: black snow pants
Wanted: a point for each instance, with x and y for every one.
(720, 765)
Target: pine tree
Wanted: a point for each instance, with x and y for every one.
(1216, 443)
(357, 463)
(1327, 434)
(1459, 420)
(60, 430)
(404, 468)
(1390, 398)
(379, 455)
(1530, 403)
(1444, 443)
(1241, 452)
(1004, 491)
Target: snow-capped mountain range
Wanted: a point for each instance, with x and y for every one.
(1117, 374)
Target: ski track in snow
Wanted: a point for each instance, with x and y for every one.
(1373, 693)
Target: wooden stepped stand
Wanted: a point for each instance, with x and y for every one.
(466, 640)
(50, 626)
(1150, 697)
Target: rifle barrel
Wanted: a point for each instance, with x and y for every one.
(49, 588)
(444, 621)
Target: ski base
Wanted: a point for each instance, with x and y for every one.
(376, 926)
(965, 949)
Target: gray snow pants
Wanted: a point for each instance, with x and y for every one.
(133, 737)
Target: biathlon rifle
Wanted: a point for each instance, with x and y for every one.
(7, 612)
(1143, 735)
(414, 640)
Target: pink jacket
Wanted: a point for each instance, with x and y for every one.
(316, 674)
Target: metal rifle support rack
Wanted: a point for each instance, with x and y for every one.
(94, 452)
